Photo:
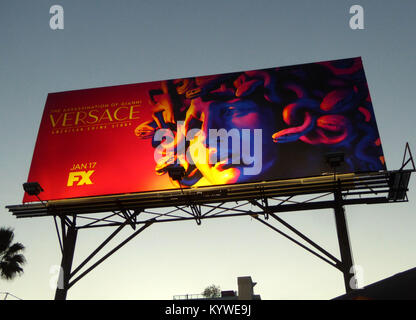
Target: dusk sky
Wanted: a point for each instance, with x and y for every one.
(106, 43)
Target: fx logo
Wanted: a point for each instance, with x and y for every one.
(83, 177)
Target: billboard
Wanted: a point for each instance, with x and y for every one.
(241, 127)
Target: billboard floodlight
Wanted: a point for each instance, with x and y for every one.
(32, 188)
(176, 173)
(334, 159)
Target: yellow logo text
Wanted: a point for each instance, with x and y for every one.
(82, 177)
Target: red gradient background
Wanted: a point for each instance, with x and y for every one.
(124, 163)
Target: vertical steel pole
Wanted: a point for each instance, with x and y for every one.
(66, 263)
(343, 239)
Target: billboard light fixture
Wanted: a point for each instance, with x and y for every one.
(176, 173)
(334, 159)
(32, 188)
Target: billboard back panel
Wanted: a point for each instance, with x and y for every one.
(242, 127)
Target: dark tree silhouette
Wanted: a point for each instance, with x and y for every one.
(11, 258)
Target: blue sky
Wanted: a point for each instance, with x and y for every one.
(106, 43)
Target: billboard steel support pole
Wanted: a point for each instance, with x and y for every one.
(69, 240)
(343, 239)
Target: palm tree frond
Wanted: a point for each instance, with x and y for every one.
(15, 248)
(6, 238)
(16, 259)
(9, 271)
(11, 260)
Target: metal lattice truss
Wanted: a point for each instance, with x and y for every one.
(262, 206)
(209, 202)
(262, 201)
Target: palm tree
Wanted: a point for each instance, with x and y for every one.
(11, 259)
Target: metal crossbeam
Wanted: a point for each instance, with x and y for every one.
(365, 186)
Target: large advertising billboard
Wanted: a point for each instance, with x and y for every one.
(241, 127)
